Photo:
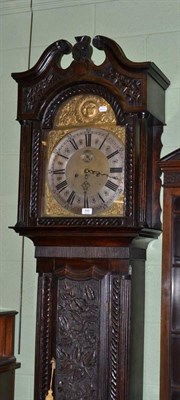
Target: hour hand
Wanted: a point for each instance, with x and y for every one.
(91, 171)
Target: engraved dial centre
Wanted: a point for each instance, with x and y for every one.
(80, 178)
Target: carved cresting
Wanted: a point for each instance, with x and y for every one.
(131, 89)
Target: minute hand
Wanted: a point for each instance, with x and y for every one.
(98, 173)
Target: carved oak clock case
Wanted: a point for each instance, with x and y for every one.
(89, 200)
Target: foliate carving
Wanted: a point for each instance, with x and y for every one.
(171, 178)
(77, 339)
(32, 94)
(35, 172)
(130, 88)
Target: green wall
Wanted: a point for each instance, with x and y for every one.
(147, 31)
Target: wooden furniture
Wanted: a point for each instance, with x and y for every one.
(8, 363)
(170, 317)
(91, 210)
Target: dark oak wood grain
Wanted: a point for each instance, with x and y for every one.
(90, 309)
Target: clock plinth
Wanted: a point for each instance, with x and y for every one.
(89, 200)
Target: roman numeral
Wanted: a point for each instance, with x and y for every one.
(59, 171)
(74, 144)
(61, 186)
(88, 139)
(113, 154)
(60, 155)
(103, 142)
(111, 185)
(115, 170)
(71, 197)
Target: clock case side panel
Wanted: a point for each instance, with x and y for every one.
(150, 145)
(24, 191)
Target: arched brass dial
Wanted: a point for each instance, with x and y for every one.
(86, 171)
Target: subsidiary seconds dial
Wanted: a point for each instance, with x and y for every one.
(86, 171)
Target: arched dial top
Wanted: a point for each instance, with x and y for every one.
(86, 171)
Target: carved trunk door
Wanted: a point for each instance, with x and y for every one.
(86, 320)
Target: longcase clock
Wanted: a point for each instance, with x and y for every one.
(89, 200)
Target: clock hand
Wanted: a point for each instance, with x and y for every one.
(85, 185)
(98, 173)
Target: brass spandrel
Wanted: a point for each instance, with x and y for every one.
(53, 209)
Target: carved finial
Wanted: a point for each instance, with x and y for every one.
(82, 49)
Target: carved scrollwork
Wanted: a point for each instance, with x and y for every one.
(32, 94)
(130, 88)
(172, 178)
(77, 339)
